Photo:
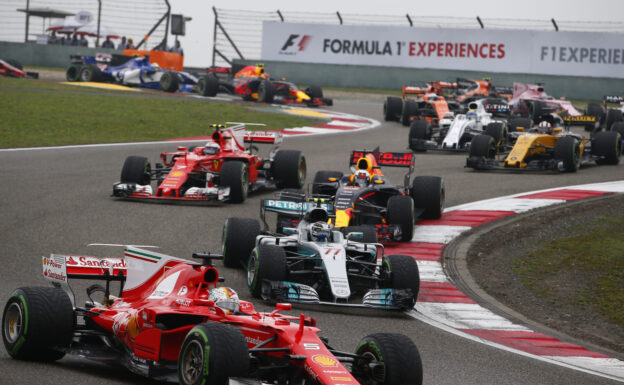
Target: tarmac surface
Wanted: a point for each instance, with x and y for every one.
(58, 201)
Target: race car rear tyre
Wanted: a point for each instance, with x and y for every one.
(314, 92)
(514, 123)
(238, 239)
(234, 174)
(537, 110)
(401, 212)
(482, 146)
(594, 109)
(401, 272)
(496, 131)
(398, 354)
(420, 130)
(37, 324)
(90, 73)
(568, 153)
(410, 108)
(266, 262)
(289, 168)
(613, 116)
(428, 192)
(608, 146)
(15, 63)
(208, 85)
(322, 177)
(136, 170)
(392, 108)
(369, 233)
(212, 353)
(169, 82)
(266, 91)
(73, 73)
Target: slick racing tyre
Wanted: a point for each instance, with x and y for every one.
(208, 85)
(73, 73)
(136, 170)
(212, 353)
(289, 168)
(234, 174)
(496, 131)
(613, 116)
(482, 146)
(238, 239)
(514, 123)
(37, 324)
(420, 130)
(169, 82)
(369, 233)
(90, 73)
(568, 154)
(266, 91)
(428, 193)
(401, 212)
(266, 262)
(401, 272)
(410, 108)
(608, 146)
(618, 127)
(15, 63)
(322, 184)
(314, 92)
(387, 359)
(392, 108)
(595, 109)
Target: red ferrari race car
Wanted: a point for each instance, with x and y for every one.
(13, 68)
(222, 170)
(252, 83)
(171, 322)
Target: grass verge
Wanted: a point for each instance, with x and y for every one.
(42, 113)
(593, 256)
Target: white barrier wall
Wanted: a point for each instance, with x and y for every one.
(509, 51)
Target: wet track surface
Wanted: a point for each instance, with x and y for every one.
(59, 200)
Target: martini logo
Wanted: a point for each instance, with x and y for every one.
(295, 43)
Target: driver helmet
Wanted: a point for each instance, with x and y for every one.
(320, 231)
(544, 127)
(225, 298)
(472, 115)
(362, 177)
(212, 148)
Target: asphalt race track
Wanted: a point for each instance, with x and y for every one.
(58, 200)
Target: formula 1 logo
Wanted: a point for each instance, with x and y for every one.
(295, 43)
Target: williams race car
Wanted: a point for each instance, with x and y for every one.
(252, 83)
(222, 170)
(130, 71)
(313, 263)
(367, 197)
(549, 146)
(170, 322)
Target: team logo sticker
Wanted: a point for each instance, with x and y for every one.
(324, 360)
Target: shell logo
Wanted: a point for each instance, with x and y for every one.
(325, 361)
(177, 173)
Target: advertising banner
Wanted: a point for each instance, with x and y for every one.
(511, 51)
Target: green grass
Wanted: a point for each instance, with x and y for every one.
(592, 256)
(30, 115)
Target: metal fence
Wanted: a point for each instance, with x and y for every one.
(134, 19)
(238, 34)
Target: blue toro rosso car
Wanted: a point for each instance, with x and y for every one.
(130, 71)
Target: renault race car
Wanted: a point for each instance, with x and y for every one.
(367, 197)
(130, 71)
(252, 83)
(549, 146)
(222, 170)
(171, 322)
(315, 263)
(454, 132)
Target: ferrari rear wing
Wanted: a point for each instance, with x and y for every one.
(274, 137)
(59, 268)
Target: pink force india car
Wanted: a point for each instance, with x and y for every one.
(171, 322)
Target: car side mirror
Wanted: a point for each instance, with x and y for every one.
(355, 236)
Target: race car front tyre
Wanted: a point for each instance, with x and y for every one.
(400, 211)
(234, 174)
(618, 127)
(568, 154)
(401, 272)
(369, 233)
(428, 193)
(266, 262)
(212, 353)
(387, 358)
(289, 168)
(410, 108)
(169, 82)
(322, 183)
(136, 170)
(420, 130)
(482, 146)
(392, 108)
(608, 146)
(238, 239)
(266, 91)
(514, 123)
(496, 131)
(73, 73)
(37, 324)
(314, 92)
(208, 85)
(613, 116)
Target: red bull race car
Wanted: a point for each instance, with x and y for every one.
(170, 321)
(221, 170)
(252, 83)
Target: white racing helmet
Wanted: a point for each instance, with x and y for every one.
(225, 298)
